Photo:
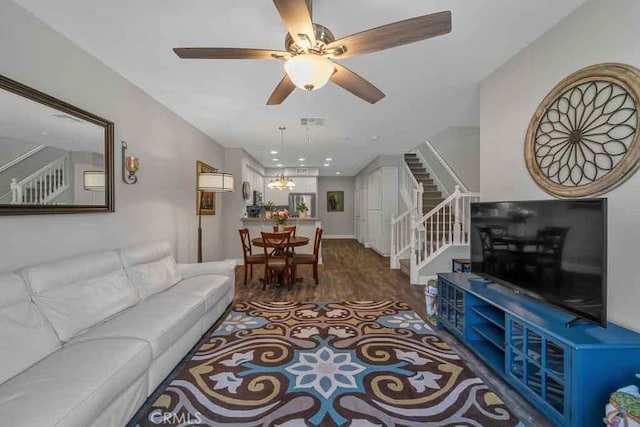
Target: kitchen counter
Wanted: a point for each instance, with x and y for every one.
(290, 220)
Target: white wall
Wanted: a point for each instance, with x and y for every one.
(599, 31)
(460, 149)
(336, 223)
(160, 206)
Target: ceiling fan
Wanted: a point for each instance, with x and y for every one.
(310, 49)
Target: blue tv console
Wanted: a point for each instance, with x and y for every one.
(567, 373)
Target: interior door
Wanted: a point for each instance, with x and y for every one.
(356, 214)
(363, 215)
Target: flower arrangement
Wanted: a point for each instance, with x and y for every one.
(280, 216)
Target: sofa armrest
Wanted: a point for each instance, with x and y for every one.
(225, 268)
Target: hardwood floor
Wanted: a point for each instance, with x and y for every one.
(351, 273)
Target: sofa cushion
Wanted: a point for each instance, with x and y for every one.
(208, 288)
(25, 335)
(225, 268)
(74, 384)
(159, 320)
(77, 293)
(151, 267)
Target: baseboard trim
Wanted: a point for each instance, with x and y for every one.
(339, 236)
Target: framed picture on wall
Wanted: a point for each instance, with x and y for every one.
(205, 202)
(335, 201)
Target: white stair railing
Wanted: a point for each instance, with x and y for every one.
(445, 225)
(43, 186)
(411, 192)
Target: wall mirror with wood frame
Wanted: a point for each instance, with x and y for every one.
(54, 157)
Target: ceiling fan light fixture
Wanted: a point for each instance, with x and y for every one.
(309, 72)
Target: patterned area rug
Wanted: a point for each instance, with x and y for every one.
(317, 364)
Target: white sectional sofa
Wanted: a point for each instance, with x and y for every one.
(84, 341)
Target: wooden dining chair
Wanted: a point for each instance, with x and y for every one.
(291, 228)
(277, 262)
(249, 259)
(310, 259)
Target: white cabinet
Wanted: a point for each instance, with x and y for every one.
(279, 197)
(304, 184)
(382, 204)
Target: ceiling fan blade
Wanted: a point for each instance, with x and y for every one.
(228, 53)
(297, 18)
(395, 34)
(284, 89)
(350, 81)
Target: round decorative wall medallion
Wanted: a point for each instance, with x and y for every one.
(584, 138)
(246, 190)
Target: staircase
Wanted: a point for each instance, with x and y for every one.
(43, 186)
(431, 196)
(435, 227)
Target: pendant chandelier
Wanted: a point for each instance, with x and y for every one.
(281, 182)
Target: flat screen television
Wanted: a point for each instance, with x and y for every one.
(551, 250)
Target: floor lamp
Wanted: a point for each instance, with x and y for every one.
(211, 182)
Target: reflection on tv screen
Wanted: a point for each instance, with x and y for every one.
(553, 250)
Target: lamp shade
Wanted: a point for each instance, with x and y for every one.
(93, 180)
(309, 72)
(215, 182)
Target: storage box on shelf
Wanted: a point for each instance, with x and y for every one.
(565, 372)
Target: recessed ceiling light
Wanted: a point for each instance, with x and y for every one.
(273, 152)
(328, 159)
(337, 173)
(276, 160)
(302, 164)
(326, 165)
(301, 159)
(279, 165)
(44, 133)
(374, 137)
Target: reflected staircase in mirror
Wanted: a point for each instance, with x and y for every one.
(43, 186)
(435, 224)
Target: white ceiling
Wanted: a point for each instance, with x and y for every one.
(430, 85)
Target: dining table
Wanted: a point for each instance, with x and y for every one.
(293, 242)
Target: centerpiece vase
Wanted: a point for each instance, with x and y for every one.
(280, 228)
(267, 214)
(302, 214)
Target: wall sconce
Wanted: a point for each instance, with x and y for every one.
(129, 164)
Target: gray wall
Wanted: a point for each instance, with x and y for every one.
(460, 149)
(597, 32)
(336, 223)
(235, 205)
(160, 206)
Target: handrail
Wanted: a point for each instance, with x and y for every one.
(432, 172)
(442, 204)
(408, 171)
(47, 166)
(395, 220)
(42, 185)
(445, 225)
(446, 166)
(21, 158)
